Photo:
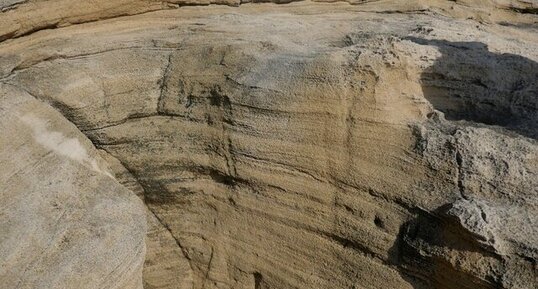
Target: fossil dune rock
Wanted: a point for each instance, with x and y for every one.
(353, 144)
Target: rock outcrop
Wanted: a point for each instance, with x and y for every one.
(66, 222)
(360, 144)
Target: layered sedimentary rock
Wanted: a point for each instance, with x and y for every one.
(384, 144)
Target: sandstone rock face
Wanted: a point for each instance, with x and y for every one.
(65, 220)
(360, 144)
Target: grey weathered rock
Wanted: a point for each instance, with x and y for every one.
(66, 222)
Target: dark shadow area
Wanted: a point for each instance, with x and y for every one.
(468, 82)
(258, 280)
(425, 245)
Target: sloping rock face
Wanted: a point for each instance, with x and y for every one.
(66, 222)
(384, 144)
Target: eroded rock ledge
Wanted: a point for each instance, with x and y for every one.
(307, 145)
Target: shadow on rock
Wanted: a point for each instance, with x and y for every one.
(468, 82)
(435, 251)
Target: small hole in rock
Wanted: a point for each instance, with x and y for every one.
(378, 222)
(232, 201)
(258, 279)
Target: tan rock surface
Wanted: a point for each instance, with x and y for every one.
(385, 144)
(65, 221)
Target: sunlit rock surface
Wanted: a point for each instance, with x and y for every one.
(360, 144)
